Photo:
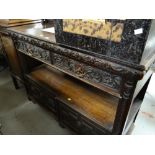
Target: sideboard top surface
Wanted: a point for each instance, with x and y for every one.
(36, 30)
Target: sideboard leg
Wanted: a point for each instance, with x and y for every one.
(15, 82)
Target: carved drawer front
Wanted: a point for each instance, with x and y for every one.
(32, 50)
(87, 73)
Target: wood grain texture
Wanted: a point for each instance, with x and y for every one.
(17, 22)
(96, 104)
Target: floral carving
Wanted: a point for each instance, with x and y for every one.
(33, 50)
(87, 72)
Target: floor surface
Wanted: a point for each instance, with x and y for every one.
(19, 116)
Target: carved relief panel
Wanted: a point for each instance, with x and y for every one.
(33, 50)
(86, 72)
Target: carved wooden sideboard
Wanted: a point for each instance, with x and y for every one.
(89, 93)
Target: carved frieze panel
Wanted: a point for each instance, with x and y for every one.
(86, 72)
(33, 50)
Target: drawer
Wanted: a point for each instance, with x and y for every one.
(32, 50)
(91, 74)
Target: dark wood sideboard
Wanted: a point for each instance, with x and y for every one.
(90, 94)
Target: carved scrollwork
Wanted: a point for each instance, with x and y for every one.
(127, 89)
(87, 72)
(33, 50)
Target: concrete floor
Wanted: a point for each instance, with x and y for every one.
(19, 116)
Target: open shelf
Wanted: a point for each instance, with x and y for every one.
(96, 104)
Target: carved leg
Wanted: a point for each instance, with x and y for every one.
(29, 98)
(27, 92)
(124, 106)
(15, 82)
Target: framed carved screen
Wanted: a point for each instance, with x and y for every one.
(112, 38)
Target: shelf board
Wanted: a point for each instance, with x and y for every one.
(95, 103)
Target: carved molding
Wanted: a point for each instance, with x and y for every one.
(128, 86)
(88, 59)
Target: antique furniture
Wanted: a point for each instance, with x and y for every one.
(88, 91)
(9, 50)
